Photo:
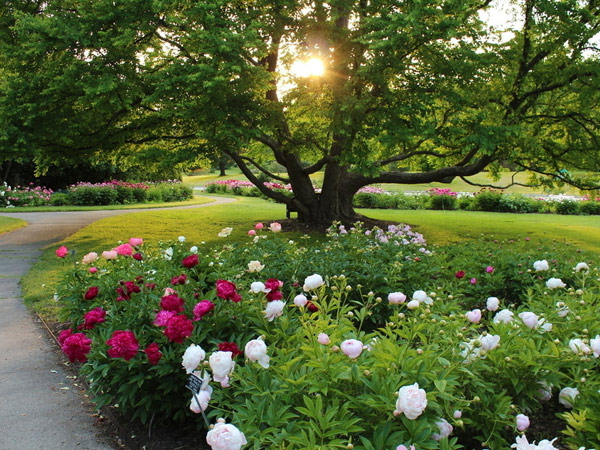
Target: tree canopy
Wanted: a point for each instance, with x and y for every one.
(414, 91)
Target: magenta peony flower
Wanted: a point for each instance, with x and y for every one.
(178, 328)
(137, 256)
(124, 250)
(76, 347)
(136, 242)
(93, 269)
(460, 274)
(62, 251)
(153, 353)
(163, 317)
(91, 293)
(64, 334)
(489, 269)
(273, 284)
(179, 279)
(227, 290)
(123, 345)
(190, 261)
(202, 308)
(96, 315)
(274, 295)
(473, 281)
(172, 303)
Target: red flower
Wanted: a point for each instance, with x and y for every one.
(178, 328)
(172, 303)
(91, 293)
(153, 353)
(230, 347)
(150, 286)
(179, 279)
(64, 334)
(131, 287)
(311, 306)
(274, 295)
(96, 315)
(62, 251)
(460, 274)
(123, 345)
(273, 284)
(227, 290)
(137, 256)
(190, 261)
(76, 347)
(202, 308)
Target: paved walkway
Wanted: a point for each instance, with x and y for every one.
(41, 407)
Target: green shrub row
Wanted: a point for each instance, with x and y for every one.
(122, 195)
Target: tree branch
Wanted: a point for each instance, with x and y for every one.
(263, 170)
(512, 183)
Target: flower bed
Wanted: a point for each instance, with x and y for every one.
(24, 195)
(367, 339)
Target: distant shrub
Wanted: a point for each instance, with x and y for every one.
(591, 208)
(516, 203)
(24, 195)
(488, 201)
(567, 207)
(60, 199)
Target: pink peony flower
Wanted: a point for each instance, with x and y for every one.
(89, 258)
(136, 242)
(412, 401)
(259, 226)
(256, 350)
(225, 436)
(227, 290)
(190, 261)
(123, 344)
(522, 422)
(91, 293)
(457, 414)
(202, 308)
(251, 233)
(76, 346)
(93, 269)
(323, 339)
(109, 254)
(163, 317)
(275, 227)
(153, 353)
(124, 249)
(474, 316)
(473, 281)
(489, 269)
(172, 303)
(178, 328)
(352, 348)
(91, 318)
(445, 429)
(396, 298)
(62, 251)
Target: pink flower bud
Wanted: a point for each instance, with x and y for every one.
(352, 348)
(251, 233)
(474, 316)
(457, 414)
(93, 269)
(323, 339)
(259, 226)
(522, 422)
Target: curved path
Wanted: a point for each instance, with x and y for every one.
(41, 406)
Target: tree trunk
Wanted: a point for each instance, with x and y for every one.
(222, 166)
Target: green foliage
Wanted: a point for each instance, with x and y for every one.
(590, 207)
(567, 207)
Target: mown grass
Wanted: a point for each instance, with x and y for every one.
(203, 224)
(197, 200)
(457, 184)
(9, 224)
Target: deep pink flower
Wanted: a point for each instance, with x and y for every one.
(202, 308)
(172, 303)
(179, 279)
(259, 226)
(124, 249)
(153, 353)
(311, 306)
(93, 269)
(473, 281)
(137, 256)
(162, 317)
(76, 347)
(190, 261)
(62, 251)
(489, 269)
(460, 274)
(178, 328)
(273, 284)
(227, 290)
(123, 344)
(274, 295)
(91, 293)
(131, 287)
(91, 318)
(230, 347)
(251, 233)
(64, 334)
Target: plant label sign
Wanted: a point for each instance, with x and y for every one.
(194, 384)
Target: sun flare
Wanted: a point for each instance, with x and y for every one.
(313, 67)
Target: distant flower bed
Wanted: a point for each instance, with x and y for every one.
(368, 339)
(112, 192)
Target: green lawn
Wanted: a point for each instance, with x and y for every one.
(9, 224)
(203, 224)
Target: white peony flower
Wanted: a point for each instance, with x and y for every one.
(300, 300)
(181, 238)
(530, 319)
(489, 341)
(412, 401)
(192, 357)
(259, 286)
(413, 304)
(225, 232)
(255, 266)
(422, 297)
(396, 298)
(492, 303)
(554, 283)
(256, 350)
(445, 430)
(222, 366)
(540, 266)
(578, 346)
(194, 249)
(225, 436)
(313, 282)
(581, 266)
(274, 309)
(503, 316)
(567, 395)
(595, 346)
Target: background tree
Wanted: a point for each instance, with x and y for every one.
(413, 91)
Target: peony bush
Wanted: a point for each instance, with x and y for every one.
(365, 339)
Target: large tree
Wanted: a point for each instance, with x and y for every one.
(414, 91)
